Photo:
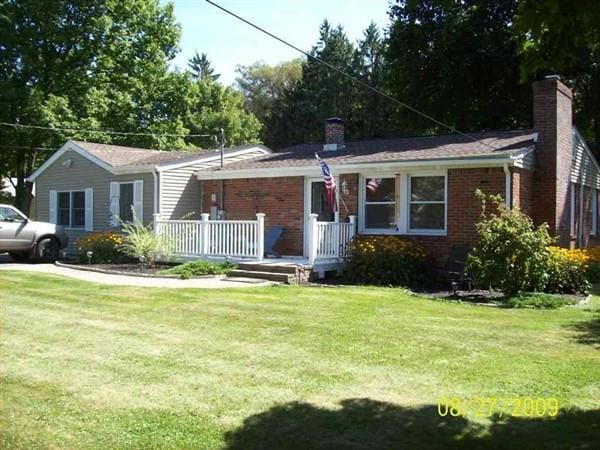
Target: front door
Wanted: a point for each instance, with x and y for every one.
(315, 202)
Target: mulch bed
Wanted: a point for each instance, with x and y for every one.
(127, 269)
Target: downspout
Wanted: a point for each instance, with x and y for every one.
(155, 202)
(581, 207)
(507, 186)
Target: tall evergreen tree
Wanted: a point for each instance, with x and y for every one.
(201, 67)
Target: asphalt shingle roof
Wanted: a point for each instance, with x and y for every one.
(120, 156)
(397, 149)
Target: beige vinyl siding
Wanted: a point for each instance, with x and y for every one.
(180, 190)
(180, 193)
(83, 174)
(583, 167)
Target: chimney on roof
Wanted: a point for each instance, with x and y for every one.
(553, 121)
(334, 132)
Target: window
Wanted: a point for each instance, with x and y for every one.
(380, 203)
(10, 215)
(126, 202)
(403, 204)
(71, 209)
(427, 203)
(594, 211)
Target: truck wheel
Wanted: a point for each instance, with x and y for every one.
(19, 256)
(48, 249)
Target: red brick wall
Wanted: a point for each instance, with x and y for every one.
(280, 199)
(464, 210)
(552, 119)
(522, 190)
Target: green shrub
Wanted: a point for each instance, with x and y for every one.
(537, 300)
(511, 254)
(105, 247)
(143, 244)
(385, 260)
(200, 267)
(568, 271)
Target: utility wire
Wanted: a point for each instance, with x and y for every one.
(118, 133)
(347, 75)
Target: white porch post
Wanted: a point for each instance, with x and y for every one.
(156, 222)
(204, 234)
(352, 220)
(313, 238)
(260, 238)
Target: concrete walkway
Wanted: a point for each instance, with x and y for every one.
(126, 280)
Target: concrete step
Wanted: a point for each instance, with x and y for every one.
(255, 267)
(271, 276)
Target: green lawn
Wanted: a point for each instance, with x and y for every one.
(94, 366)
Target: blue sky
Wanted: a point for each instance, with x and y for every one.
(229, 42)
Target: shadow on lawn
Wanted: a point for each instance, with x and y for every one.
(588, 332)
(369, 424)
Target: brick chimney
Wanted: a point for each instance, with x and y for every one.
(553, 121)
(334, 131)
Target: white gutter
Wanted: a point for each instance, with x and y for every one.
(507, 186)
(382, 166)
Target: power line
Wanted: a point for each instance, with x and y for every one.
(118, 133)
(22, 147)
(347, 75)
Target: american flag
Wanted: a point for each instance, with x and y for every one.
(373, 184)
(330, 188)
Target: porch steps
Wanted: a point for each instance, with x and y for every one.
(279, 277)
(284, 273)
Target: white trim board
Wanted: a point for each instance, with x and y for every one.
(374, 167)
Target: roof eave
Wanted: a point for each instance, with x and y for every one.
(314, 170)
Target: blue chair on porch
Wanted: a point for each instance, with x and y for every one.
(271, 238)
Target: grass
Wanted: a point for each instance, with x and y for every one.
(199, 267)
(95, 366)
(538, 300)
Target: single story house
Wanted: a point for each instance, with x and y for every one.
(421, 188)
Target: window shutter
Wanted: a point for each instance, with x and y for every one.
(89, 209)
(53, 200)
(114, 204)
(138, 199)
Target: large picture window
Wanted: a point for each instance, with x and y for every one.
(427, 198)
(407, 203)
(71, 209)
(380, 203)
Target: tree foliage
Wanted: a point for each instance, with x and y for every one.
(100, 66)
(563, 37)
(201, 67)
(262, 85)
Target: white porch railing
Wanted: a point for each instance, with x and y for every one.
(234, 238)
(329, 240)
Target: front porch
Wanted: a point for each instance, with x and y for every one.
(243, 241)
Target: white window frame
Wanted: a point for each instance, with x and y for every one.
(402, 203)
(364, 203)
(572, 209)
(410, 202)
(593, 211)
(70, 192)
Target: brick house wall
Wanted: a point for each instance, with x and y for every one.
(522, 190)
(280, 199)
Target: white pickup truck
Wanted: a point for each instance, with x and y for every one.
(23, 238)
